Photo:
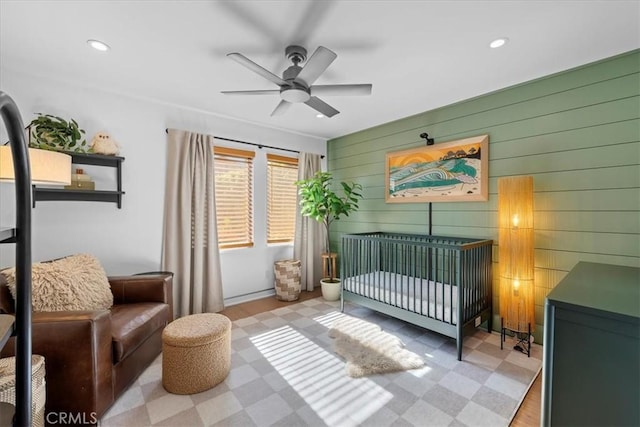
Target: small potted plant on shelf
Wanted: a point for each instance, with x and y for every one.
(54, 133)
(320, 202)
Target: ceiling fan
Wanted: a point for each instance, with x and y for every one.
(296, 84)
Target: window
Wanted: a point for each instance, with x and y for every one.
(234, 195)
(282, 173)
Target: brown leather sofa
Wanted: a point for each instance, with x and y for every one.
(91, 357)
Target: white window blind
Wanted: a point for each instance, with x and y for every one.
(234, 196)
(282, 173)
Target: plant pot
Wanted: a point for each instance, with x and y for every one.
(331, 290)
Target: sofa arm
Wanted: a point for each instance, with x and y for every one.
(78, 352)
(142, 288)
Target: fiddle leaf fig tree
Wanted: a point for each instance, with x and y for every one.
(55, 133)
(320, 202)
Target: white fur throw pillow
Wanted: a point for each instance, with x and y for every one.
(77, 282)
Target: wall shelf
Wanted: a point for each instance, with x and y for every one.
(7, 323)
(8, 235)
(49, 194)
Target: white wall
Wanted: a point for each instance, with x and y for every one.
(129, 240)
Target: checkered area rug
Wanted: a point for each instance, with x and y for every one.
(284, 373)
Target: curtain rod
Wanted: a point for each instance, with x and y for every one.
(254, 144)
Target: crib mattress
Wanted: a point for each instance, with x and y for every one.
(421, 296)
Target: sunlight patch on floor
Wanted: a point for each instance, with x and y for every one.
(327, 320)
(319, 377)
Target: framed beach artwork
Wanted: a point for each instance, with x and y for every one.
(454, 171)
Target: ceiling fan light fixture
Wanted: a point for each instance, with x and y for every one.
(295, 95)
(498, 42)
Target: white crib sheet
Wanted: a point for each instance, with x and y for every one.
(397, 289)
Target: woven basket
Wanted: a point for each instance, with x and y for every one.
(287, 283)
(8, 386)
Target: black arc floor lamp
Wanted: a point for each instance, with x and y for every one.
(52, 168)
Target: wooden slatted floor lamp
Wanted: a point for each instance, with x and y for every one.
(516, 259)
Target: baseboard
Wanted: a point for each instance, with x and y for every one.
(249, 297)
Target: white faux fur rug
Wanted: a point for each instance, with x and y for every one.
(369, 350)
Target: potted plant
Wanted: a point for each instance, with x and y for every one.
(54, 133)
(319, 202)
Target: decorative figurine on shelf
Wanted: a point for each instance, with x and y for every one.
(102, 143)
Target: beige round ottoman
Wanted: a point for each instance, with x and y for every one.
(196, 353)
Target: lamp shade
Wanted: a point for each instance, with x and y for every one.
(515, 250)
(47, 167)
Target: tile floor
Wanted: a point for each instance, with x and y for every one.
(284, 373)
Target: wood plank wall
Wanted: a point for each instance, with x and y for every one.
(576, 132)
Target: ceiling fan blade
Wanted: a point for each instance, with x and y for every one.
(312, 18)
(330, 90)
(321, 106)
(281, 108)
(251, 92)
(319, 61)
(243, 60)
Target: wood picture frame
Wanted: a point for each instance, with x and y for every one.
(453, 171)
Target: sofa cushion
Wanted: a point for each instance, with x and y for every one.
(132, 324)
(77, 282)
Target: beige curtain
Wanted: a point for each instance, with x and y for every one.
(190, 242)
(309, 234)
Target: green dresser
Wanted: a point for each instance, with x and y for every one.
(591, 362)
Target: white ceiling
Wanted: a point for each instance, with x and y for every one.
(418, 55)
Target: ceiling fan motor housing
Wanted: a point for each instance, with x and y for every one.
(291, 73)
(296, 54)
(296, 92)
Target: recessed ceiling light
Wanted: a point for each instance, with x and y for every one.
(98, 45)
(498, 42)
(320, 115)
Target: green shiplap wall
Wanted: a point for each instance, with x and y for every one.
(576, 132)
